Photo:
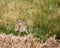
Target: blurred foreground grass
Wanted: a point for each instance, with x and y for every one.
(42, 16)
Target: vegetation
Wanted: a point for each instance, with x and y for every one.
(42, 16)
(10, 41)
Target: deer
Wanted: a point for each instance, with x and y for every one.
(20, 27)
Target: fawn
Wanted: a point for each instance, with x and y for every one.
(21, 26)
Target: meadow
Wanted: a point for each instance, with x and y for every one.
(41, 16)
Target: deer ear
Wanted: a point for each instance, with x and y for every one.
(17, 20)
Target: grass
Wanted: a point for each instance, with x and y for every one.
(11, 41)
(41, 16)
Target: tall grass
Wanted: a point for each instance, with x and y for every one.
(41, 16)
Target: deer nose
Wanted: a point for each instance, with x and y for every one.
(17, 31)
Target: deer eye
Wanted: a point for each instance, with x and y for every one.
(19, 26)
